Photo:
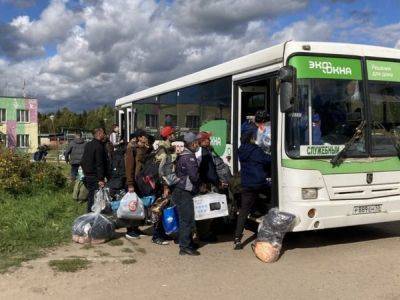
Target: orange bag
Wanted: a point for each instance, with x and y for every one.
(266, 252)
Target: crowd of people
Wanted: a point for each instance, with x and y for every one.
(109, 161)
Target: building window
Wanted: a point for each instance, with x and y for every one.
(193, 122)
(22, 140)
(3, 115)
(152, 120)
(22, 115)
(171, 120)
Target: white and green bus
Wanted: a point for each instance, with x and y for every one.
(335, 119)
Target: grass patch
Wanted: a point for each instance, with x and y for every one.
(128, 261)
(28, 224)
(127, 250)
(118, 242)
(87, 247)
(102, 253)
(69, 264)
(141, 250)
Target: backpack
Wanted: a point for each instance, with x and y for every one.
(223, 170)
(80, 192)
(148, 180)
(117, 165)
(36, 156)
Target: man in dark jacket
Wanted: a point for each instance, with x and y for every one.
(73, 154)
(187, 171)
(94, 165)
(208, 179)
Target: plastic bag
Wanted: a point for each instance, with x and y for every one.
(170, 220)
(102, 200)
(131, 208)
(266, 252)
(148, 200)
(157, 209)
(270, 235)
(92, 228)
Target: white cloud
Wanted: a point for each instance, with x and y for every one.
(228, 15)
(109, 48)
(54, 24)
(308, 30)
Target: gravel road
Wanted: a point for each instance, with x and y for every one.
(348, 263)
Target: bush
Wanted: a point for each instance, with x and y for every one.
(18, 175)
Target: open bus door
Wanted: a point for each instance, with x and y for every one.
(251, 95)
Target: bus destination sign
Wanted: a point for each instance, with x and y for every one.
(320, 150)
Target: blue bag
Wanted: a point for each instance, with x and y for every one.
(170, 220)
(115, 205)
(148, 200)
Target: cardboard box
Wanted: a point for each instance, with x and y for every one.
(210, 206)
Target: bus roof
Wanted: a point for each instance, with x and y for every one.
(262, 58)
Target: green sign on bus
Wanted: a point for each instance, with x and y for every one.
(218, 129)
(383, 70)
(327, 67)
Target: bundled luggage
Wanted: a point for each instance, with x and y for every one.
(270, 235)
(92, 228)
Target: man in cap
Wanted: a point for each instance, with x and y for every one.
(187, 171)
(208, 179)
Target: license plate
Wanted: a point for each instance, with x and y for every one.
(367, 209)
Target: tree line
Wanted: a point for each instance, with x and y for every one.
(67, 120)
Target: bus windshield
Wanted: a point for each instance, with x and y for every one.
(384, 93)
(328, 108)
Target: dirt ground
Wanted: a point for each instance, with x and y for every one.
(349, 263)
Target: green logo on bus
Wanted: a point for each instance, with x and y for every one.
(219, 129)
(327, 67)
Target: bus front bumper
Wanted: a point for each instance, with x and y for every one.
(341, 213)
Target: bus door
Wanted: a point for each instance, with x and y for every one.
(252, 96)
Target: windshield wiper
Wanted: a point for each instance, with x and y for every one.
(396, 145)
(338, 158)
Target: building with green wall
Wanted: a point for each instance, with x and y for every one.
(19, 123)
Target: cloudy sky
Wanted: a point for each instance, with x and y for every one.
(83, 53)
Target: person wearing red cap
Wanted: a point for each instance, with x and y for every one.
(167, 133)
(163, 152)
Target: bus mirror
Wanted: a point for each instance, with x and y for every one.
(287, 74)
(287, 87)
(287, 96)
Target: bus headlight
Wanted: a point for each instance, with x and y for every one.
(309, 193)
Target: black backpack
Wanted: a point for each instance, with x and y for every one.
(117, 171)
(148, 180)
(117, 164)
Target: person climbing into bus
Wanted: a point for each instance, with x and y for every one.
(255, 169)
(262, 121)
(187, 171)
